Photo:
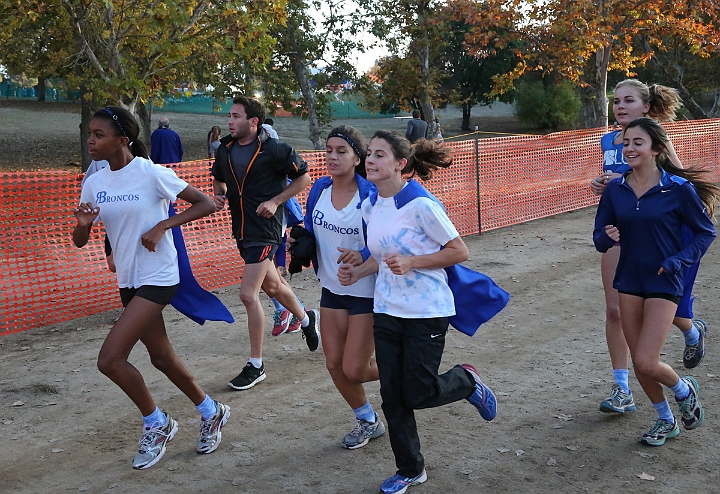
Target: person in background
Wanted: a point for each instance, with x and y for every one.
(645, 209)
(268, 126)
(213, 141)
(165, 144)
(416, 127)
(132, 196)
(439, 130)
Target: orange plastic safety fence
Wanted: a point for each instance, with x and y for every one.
(493, 183)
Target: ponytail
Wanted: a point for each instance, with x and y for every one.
(423, 157)
(706, 189)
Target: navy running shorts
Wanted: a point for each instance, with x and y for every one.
(354, 305)
(666, 296)
(161, 295)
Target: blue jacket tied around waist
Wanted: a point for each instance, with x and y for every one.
(191, 299)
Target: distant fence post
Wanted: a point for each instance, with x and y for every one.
(477, 184)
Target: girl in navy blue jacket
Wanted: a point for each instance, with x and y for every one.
(647, 208)
(634, 99)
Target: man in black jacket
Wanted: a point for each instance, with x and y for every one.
(251, 174)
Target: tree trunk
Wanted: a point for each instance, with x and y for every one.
(465, 116)
(145, 116)
(86, 112)
(309, 97)
(41, 89)
(695, 110)
(424, 56)
(602, 62)
(715, 110)
(298, 62)
(676, 81)
(588, 112)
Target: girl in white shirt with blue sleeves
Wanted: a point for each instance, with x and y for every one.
(411, 240)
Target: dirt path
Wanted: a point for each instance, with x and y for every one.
(67, 428)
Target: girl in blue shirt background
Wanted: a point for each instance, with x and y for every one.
(634, 99)
(646, 209)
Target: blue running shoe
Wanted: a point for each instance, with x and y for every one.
(618, 402)
(397, 484)
(692, 411)
(482, 398)
(660, 431)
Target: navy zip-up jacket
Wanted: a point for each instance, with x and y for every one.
(651, 233)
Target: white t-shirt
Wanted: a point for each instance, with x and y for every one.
(420, 227)
(132, 200)
(271, 132)
(333, 229)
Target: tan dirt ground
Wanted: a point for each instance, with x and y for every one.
(67, 428)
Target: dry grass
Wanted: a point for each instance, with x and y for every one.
(37, 136)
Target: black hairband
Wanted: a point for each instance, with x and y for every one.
(348, 140)
(115, 119)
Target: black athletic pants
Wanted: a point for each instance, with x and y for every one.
(408, 353)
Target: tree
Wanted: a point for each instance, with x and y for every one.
(584, 40)
(546, 104)
(691, 76)
(139, 51)
(470, 76)
(686, 54)
(413, 23)
(132, 53)
(455, 76)
(573, 37)
(36, 41)
(391, 85)
(308, 60)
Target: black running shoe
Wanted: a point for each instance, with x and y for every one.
(311, 332)
(693, 354)
(249, 377)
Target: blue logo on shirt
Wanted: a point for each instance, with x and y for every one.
(318, 220)
(103, 197)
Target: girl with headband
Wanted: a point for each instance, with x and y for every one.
(132, 197)
(334, 218)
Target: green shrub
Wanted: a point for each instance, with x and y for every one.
(547, 107)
